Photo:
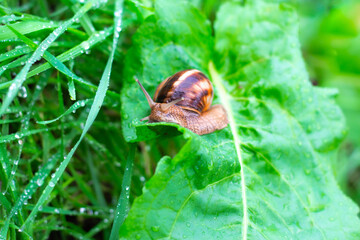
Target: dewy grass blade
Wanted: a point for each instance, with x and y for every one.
(22, 134)
(25, 125)
(74, 107)
(15, 53)
(85, 21)
(226, 103)
(75, 51)
(52, 60)
(71, 89)
(98, 100)
(121, 208)
(30, 189)
(20, 78)
(5, 164)
(5, 203)
(95, 178)
(25, 28)
(13, 64)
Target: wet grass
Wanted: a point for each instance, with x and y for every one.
(60, 72)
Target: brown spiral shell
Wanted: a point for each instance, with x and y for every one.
(191, 85)
(185, 99)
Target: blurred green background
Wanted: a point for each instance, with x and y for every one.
(330, 37)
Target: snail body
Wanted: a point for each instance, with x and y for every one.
(185, 98)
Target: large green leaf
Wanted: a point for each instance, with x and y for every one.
(267, 175)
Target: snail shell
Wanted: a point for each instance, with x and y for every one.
(185, 98)
(192, 85)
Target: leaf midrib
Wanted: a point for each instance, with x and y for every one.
(223, 94)
(224, 99)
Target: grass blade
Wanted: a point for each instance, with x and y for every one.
(52, 60)
(123, 203)
(98, 100)
(25, 125)
(25, 28)
(30, 189)
(13, 64)
(20, 78)
(75, 51)
(14, 53)
(74, 107)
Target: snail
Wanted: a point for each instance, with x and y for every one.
(185, 98)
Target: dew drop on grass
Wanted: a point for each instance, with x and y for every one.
(82, 210)
(22, 92)
(118, 13)
(51, 184)
(17, 135)
(39, 182)
(85, 45)
(56, 210)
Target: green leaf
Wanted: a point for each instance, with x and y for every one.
(267, 175)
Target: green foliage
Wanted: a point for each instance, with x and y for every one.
(282, 121)
(91, 169)
(333, 55)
